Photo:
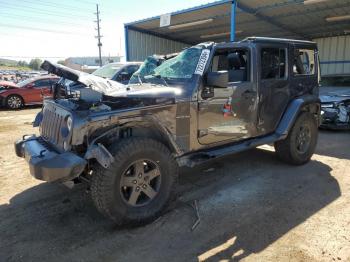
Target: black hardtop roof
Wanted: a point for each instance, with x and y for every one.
(277, 40)
(266, 40)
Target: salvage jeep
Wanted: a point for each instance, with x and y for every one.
(206, 102)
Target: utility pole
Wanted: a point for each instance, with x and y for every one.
(99, 36)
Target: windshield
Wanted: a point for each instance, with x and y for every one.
(24, 83)
(158, 70)
(107, 71)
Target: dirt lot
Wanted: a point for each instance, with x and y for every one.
(252, 207)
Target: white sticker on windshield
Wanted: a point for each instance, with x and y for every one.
(202, 62)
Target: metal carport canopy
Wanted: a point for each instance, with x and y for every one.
(296, 19)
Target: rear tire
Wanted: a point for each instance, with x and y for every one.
(14, 102)
(138, 185)
(300, 144)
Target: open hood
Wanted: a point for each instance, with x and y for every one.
(147, 90)
(96, 83)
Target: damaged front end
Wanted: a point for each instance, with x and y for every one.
(335, 115)
(78, 124)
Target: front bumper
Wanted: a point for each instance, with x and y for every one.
(46, 164)
(330, 120)
(334, 126)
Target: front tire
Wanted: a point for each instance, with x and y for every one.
(14, 102)
(300, 144)
(138, 185)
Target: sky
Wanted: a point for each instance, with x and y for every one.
(50, 29)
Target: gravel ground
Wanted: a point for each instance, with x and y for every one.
(252, 208)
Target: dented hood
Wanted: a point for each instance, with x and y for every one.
(96, 83)
(144, 95)
(334, 94)
(147, 90)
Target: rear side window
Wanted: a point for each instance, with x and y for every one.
(304, 62)
(273, 63)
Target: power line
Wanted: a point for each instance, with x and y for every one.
(39, 20)
(41, 11)
(54, 5)
(40, 29)
(61, 6)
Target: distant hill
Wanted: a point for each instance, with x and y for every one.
(7, 62)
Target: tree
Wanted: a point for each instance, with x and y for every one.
(35, 63)
(22, 63)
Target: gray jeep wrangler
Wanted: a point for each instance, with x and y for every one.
(206, 102)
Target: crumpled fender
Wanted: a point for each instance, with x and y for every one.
(100, 153)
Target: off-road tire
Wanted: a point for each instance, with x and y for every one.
(19, 98)
(287, 150)
(105, 183)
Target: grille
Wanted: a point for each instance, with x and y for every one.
(50, 128)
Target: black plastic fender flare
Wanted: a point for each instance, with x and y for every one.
(293, 110)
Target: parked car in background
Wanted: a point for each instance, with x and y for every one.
(28, 92)
(120, 72)
(335, 102)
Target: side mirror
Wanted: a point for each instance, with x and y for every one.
(30, 85)
(217, 79)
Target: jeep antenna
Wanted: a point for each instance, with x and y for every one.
(99, 36)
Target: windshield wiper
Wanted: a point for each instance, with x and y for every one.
(139, 78)
(160, 77)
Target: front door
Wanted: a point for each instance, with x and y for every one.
(228, 114)
(40, 89)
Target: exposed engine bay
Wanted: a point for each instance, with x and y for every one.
(77, 97)
(81, 91)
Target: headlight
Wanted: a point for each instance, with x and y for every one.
(67, 127)
(327, 105)
(69, 123)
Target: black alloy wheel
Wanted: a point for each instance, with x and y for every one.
(140, 183)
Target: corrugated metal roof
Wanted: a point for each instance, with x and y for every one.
(334, 55)
(274, 18)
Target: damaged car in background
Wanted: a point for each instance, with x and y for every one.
(335, 102)
(119, 72)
